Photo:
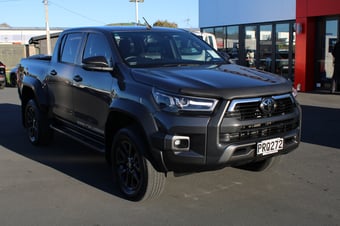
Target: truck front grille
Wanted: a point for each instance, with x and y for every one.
(245, 119)
(246, 109)
(254, 131)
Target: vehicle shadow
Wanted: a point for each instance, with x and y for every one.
(321, 126)
(63, 154)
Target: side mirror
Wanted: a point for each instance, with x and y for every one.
(97, 63)
(225, 55)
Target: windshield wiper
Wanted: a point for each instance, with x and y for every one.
(180, 64)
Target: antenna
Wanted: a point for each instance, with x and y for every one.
(148, 26)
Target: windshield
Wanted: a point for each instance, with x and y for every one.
(164, 48)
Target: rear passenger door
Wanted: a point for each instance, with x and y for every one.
(61, 73)
(92, 89)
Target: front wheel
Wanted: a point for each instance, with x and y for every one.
(136, 177)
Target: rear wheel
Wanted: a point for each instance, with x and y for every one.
(36, 124)
(136, 177)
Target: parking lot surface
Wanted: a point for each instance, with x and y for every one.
(69, 184)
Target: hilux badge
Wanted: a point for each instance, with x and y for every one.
(268, 105)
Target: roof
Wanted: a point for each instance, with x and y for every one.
(123, 28)
(36, 39)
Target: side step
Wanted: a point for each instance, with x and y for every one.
(87, 138)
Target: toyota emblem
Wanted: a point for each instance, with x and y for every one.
(268, 105)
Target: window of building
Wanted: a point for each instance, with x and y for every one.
(282, 49)
(233, 42)
(269, 46)
(331, 37)
(266, 47)
(221, 38)
(327, 31)
(250, 45)
(209, 30)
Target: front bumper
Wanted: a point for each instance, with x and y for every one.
(208, 142)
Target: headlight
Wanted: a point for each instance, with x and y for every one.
(177, 103)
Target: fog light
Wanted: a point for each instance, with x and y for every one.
(177, 143)
(181, 143)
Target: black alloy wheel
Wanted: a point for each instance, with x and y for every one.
(137, 178)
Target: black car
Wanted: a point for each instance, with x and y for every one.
(13, 77)
(2, 75)
(156, 101)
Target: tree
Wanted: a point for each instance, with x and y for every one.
(164, 23)
(5, 25)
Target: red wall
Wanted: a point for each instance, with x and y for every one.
(310, 8)
(306, 13)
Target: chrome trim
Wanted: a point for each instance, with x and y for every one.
(241, 101)
(256, 99)
(283, 96)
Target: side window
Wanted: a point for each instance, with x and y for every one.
(97, 45)
(70, 48)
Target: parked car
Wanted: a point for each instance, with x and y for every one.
(2, 75)
(13, 76)
(208, 38)
(156, 101)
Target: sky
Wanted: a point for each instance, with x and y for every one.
(77, 13)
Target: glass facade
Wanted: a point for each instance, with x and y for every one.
(266, 46)
(330, 40)
(221, 38)
(267, 39)
(283, 52)
(233, 42)
(250, 45)
(328, 33)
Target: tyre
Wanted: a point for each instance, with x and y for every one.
(13, 79)
(262, 165)
(134, 174)
(36, 124)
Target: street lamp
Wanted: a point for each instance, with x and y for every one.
(136, 1)
(48, 37)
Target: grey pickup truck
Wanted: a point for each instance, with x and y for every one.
(155, 101)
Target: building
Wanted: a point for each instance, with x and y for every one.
(292, 38)
(22, 35)
(14, 42)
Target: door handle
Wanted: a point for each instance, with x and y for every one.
(53, 72)
(77, 78)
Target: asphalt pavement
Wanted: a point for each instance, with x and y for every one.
(66, 183)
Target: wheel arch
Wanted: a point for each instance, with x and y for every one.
(32, 89)
(125, 113)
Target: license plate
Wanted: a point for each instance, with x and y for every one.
(267, 147)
